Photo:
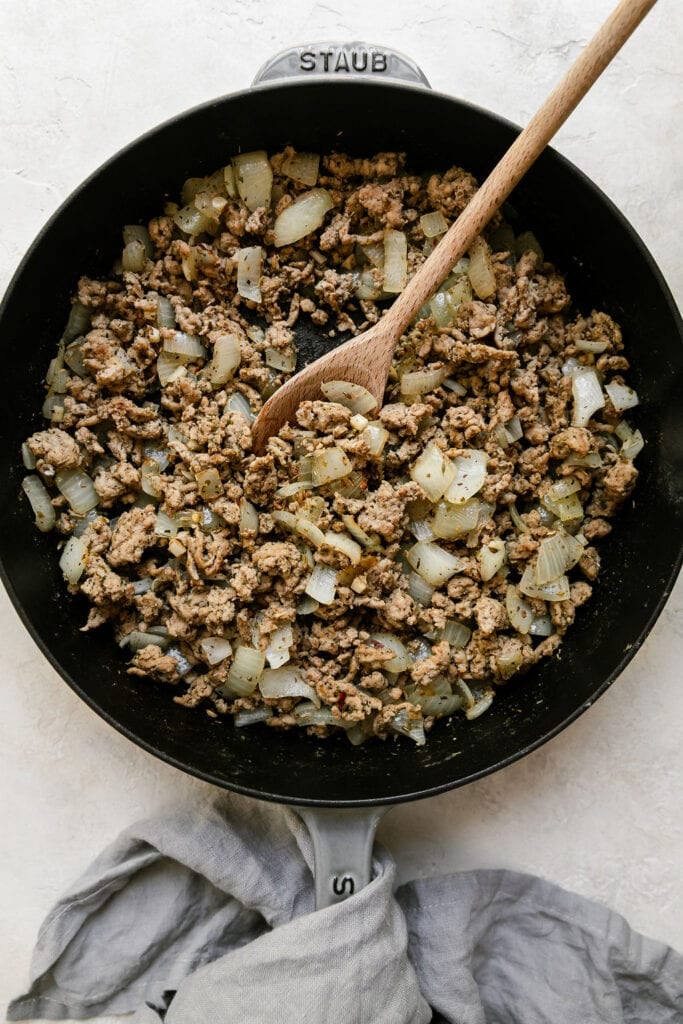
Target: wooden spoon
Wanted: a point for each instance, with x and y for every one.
(366, 359)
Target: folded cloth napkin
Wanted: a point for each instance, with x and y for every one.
(204, 915)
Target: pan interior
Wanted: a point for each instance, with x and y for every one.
(607, 268)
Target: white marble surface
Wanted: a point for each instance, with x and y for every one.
(599, 809)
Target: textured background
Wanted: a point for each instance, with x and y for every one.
(599, 808)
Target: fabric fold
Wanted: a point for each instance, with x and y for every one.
(204, 914)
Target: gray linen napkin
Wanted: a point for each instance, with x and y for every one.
(214, 902)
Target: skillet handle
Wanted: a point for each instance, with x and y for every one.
(341, 60)
(342, 850)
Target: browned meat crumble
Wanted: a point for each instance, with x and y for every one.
(371, 571)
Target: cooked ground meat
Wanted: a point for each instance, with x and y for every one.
(363, 574)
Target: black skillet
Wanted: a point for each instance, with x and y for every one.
(607, 267)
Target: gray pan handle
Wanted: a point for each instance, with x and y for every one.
(342, 850)
(341, 60)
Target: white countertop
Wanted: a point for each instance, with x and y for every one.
(599, 808)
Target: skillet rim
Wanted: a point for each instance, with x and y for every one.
(632, 647)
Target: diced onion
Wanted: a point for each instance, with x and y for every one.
(419, 382)
(517, 520)
(480, 270)
(367, 285)
(342, 542)
(84, 522)
(246, 718)
(406, 725)
(254, 178)
(563, 488)
(215, 649)
(53, 407)
(73, 357)
(286, 519)
(245, 670)
(322, 585)
(470, 474)
(420, 590)
(433, 563)
(588, 396)
(375, 437)
(519, 611)
(542, 626)
(307, 605)
(467, 694)
(482, 704)
(307, 713)
(191, 221)
(229, 181)
(353, 396)
(165, 313)
(279, 646)
(209, 483)
(357, 533)
(402, 660)
(140, 233)
(309, 531)
(590, 461)
(555, 590)
(156, 454)
(395, 274)
(439, 706)
(137, 640)
(570, 508)
(74, 558)
(352, 486)
(451, 521)
(27, 457)
(621, 396)
(513, 429)
(165, 526)
(421, 529)
(287, 490)
(491, 558)
(249, 522)
(276, 683)
(303, 216)
(358, 422)
(302, 167)
(455, 386)
(433, 224)
(39, 499)
(238, 403)
(433, 471)
(78, 489)
(527, 242)
(583, 345)
(279, 359)
(632, 446)
(149, 478)
(502, 436)
(455, 633)
(170, 367)
(249, 262)
(184, 345)
(78, 322)
(442, 309)
(134, 256)
(225, 360)
(556, 555)
(330, 464)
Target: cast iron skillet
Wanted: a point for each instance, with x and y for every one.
(607, 267)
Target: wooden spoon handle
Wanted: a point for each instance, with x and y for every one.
(526, 148)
